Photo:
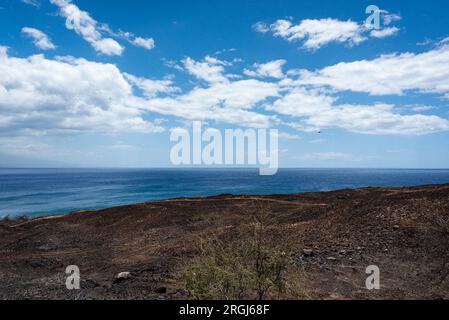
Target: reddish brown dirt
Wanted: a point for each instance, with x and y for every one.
(394, 229)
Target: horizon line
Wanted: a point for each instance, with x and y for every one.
(218, 167)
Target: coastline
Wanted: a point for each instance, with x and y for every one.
(50, 192)
(267, 197)
(331, 237)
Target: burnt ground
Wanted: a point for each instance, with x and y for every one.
(336, 235)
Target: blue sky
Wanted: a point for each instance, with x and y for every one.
(102, 83)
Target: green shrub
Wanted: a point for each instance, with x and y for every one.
(252, 263)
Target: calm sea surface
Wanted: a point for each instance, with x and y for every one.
(34, 192)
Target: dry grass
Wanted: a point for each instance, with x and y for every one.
(253, 262)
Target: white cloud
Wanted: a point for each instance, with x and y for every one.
(144, 43)
(388, 74)
(219, 52)
(84, 25)
(151, 88)
(261, 27)
(108, 46)
(316, 33)
(318, 111)
(40, 39)
(91, 31)
(172, 64)
(378, 119)
(388, 18)
(219, 98)
(420, 108)
(210, 69)
(300, 102)
(40, 96)
(383, 33)
(271, 69)
(229, 102)
(43, 96)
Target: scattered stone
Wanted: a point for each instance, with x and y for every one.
(183, 292)
(122, 276)
(396, 227)
(342, 252)
(307, 252)
(332, 259)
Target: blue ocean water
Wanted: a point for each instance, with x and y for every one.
(34, 192)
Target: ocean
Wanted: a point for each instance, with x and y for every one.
(37, 192)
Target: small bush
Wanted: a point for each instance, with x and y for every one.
(250, 264)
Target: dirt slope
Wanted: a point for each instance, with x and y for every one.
(403, 231)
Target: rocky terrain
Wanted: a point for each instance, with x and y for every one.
(139, 251)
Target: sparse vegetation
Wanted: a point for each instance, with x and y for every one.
(254, 263)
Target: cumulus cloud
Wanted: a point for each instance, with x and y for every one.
(317, 110)
(261, 27)
(219, 97)
(229, 102)
(316, 33)
(210, 69)
(144, 43)
(271, 69)
(420, 108)
(40, 39)
(388, 18)
(88, 28)
(383, 33)
(94, 33)
(151, 88)
(308, 97)
(43, 96)
(40, 96)
(235, 102)
(108, 46)
(388, 74)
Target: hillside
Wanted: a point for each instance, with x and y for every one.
(329, 239)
